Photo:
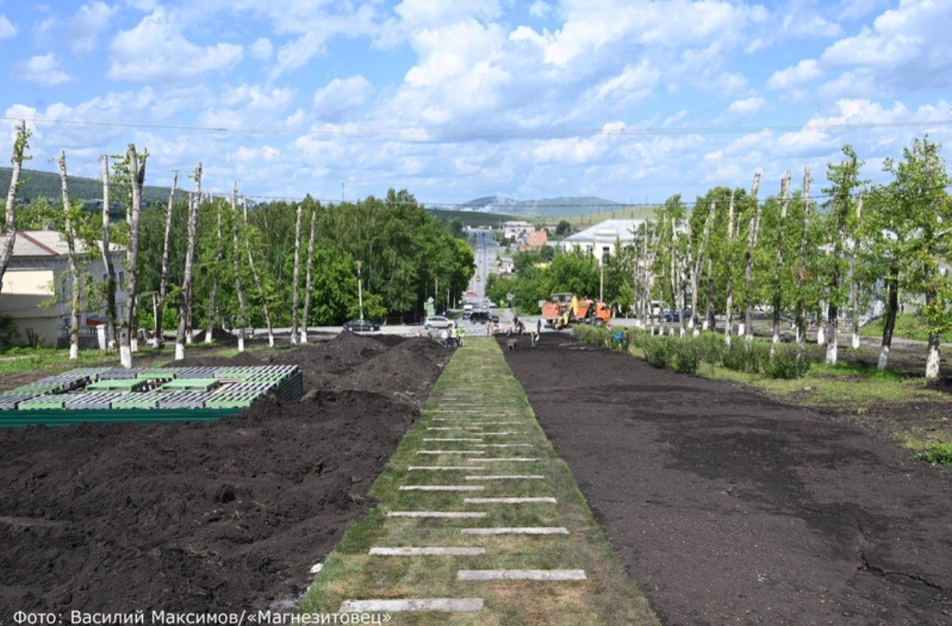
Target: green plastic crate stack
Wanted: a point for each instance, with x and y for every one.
(232, 400)
(146, 401)
(191, 384)
(123, 384)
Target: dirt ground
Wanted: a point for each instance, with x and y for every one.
(730, 508)
(201, 516)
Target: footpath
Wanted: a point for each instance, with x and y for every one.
(478, 521)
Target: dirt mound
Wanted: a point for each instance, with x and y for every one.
(217, 515)
(406, 371)
(219, 335)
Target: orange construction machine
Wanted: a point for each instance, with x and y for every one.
(565, 309)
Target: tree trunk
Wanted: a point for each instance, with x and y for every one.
(10, 224)
(753, 225)
(185, 301)
(892, 309)
(778, 267)
(257, 279)
(695, 267)
(137, 178)
(801, 316)
(110, 287)
(935, 343)
(73, 270)
(236, 261)
(310, 267)
(854, 279)
(296, 293)
(213, 292)
(710, 320)
(164, 275)
(729, 306)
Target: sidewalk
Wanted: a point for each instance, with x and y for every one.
(479, 521)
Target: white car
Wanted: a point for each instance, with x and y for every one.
(437, 321)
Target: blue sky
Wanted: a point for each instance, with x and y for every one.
(629, 100)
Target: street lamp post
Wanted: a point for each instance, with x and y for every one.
(360, 291)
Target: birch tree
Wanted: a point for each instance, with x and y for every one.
(236, 262)
(296, 280)
(69, 221)
(802, 265)
(109, 289)
(753, 227)
(257, 278)
(185, 296)
(729, 305)
(844, 179)
(855, 278)
(137, 176)
(777, 287)
(216, 269)
(310, 272)
(164, 272)
(20, 145)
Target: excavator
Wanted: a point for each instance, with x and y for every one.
(564, 309)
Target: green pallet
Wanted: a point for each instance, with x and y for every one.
(40, 404)
(141, 400)
(122, 384)
(191, 384)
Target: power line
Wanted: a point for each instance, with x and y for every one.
(474, 132)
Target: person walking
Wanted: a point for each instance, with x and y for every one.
(461, 336)
(454, 336)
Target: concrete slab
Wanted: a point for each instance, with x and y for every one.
(524, 530)
(433, 551)
(441, 488)
(503, 445)
(521, 574)
(510, 501)
(507, 477)
(505, 459)
(442, 468)
(438, 514)
(450, 439)
(451, 452)
(445, 605)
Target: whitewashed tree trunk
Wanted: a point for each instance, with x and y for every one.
(236, 262)
(10, 224)
(73, 266)
(110, 288)
(753, 226)
(729, 306)
(801, 319)
(854, 285)
(296, 292)
(137, 178)
(213, 292)
(778, 267)
(164, 272)
(310, 273)
(935, 343)
(185, 302)
(257, 279)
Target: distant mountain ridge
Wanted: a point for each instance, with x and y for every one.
(564, 206)
(38, 184)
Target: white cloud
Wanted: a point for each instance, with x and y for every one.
(7, 29)
(747, 106)
(539, 9)
(794, 76)
(633, 84)
(156, 50)
(45, 69)
(339, 97)
(87, 23)
(261, 49)
(429, 13)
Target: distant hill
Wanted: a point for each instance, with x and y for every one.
(546, 208)
(37, 184)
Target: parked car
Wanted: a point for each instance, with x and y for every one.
(361, 326)
(675, 316)
(437, 321)
(483, 316)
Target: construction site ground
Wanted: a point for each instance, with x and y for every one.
(724, 506)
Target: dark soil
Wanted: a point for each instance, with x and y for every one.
(730, 508)
(202, 516)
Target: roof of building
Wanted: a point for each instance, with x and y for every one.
(43, 243)
(607, 231)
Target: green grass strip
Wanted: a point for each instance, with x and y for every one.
(477, 386)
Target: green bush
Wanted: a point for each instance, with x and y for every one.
(938, 453)
(786, 363)
(686, 356)
(659, 350)
(710, 347)
(744, 356)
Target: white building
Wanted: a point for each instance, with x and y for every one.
(38, 264)
(515, 229)
(600, 239)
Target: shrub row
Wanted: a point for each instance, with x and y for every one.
(686, 354)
